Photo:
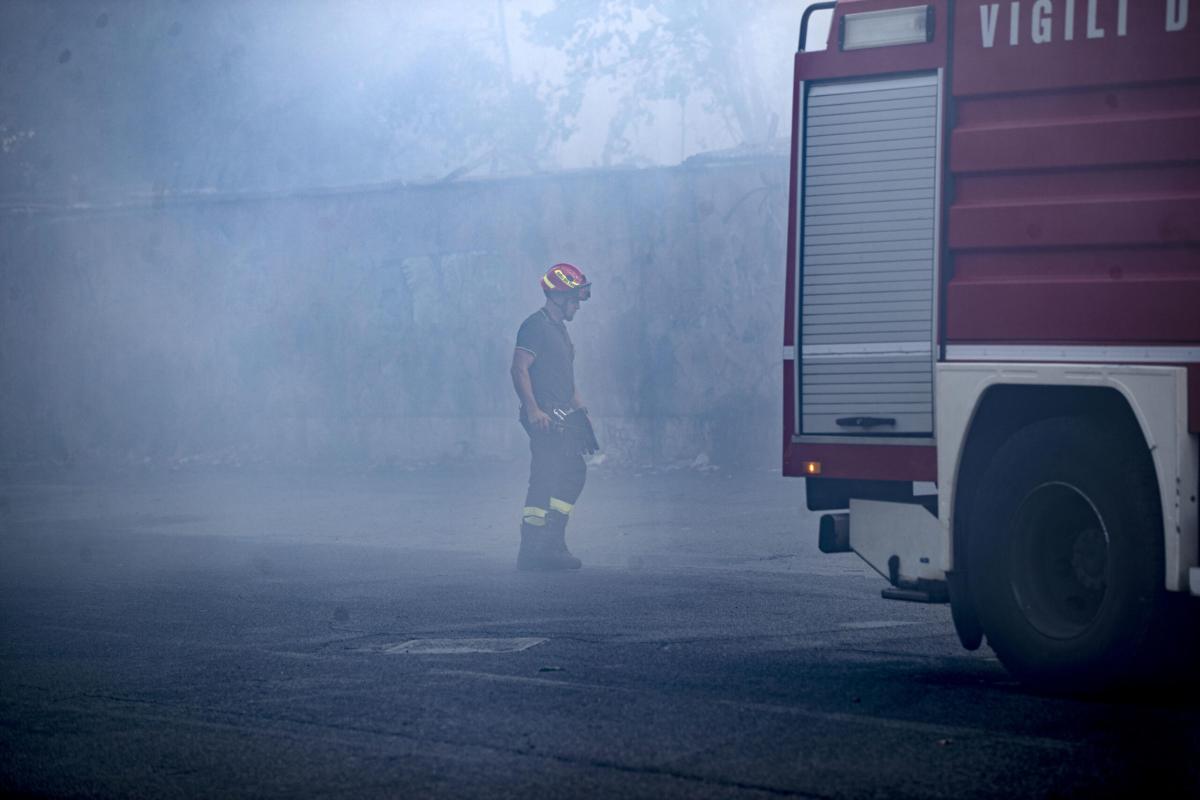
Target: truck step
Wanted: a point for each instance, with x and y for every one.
(933, 593)
(834, 533)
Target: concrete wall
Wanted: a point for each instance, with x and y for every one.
(376, 326)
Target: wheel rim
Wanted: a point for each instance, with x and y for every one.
(1059, 560)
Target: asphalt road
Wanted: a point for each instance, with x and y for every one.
(229, 634)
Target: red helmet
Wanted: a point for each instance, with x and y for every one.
(566, 278)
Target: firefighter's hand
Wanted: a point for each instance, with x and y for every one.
(538, 419)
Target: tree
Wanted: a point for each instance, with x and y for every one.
(452, 110)
(656, 50)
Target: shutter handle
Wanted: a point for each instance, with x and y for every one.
(865, 422)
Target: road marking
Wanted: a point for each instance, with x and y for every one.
(498, 678)
(872, 624)
(462, 646)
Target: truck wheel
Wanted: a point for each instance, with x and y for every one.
(1065, 555)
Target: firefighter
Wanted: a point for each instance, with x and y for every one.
(552, 413)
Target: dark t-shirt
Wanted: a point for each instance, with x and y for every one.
(553, 370)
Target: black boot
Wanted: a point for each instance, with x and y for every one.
(533, 545)
(556, 528)
(543, 549)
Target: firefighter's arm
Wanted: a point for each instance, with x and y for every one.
(524, 387)
(577, 400)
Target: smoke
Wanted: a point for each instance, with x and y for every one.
(307, 231)
(143, 96)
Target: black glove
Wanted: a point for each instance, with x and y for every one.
(579, 428)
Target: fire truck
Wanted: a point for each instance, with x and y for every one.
(991, 361)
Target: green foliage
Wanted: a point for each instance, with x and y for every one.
(655, 50)
(453, 109)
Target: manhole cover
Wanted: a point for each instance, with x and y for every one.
(462, 646)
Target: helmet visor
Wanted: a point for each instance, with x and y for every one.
(584, 292)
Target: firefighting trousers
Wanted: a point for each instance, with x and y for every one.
(557, 473)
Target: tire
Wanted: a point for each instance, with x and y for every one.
(1065, 556)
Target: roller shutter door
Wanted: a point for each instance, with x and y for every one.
(867, 260)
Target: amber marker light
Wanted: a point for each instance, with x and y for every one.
(812, 467)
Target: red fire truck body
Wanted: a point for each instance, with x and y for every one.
(992, 336)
